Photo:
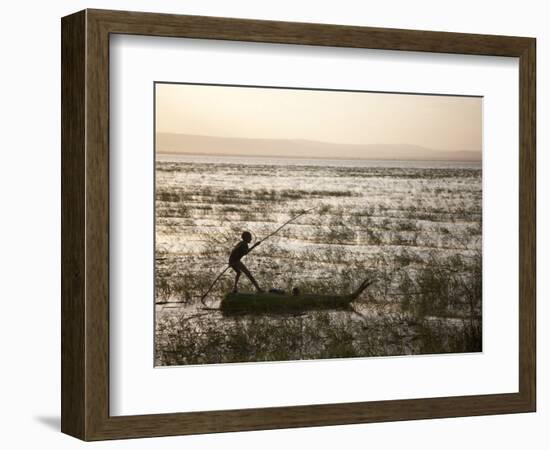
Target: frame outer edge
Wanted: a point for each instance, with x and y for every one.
(73, 228)
(85, 226)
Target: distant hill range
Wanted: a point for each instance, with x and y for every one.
(297, 148)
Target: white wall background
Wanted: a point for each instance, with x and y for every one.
(30, 223)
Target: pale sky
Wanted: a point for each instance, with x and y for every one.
(437, 122)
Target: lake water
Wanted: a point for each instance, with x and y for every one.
(412, 226)
(319, 162)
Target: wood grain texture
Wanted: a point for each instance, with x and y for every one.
(151, 24)
(85, 224)
(73, 108)
(97, 226)
(527, 224)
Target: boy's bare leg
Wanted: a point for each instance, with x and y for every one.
(251, 278)
(237, 276)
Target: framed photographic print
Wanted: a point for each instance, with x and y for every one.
(272, 224)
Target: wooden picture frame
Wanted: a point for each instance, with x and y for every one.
(85, 224)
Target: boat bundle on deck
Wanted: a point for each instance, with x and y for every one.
(267, 302)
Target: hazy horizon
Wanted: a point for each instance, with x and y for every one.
(250, 121)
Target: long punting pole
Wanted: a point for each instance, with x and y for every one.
(286, 223)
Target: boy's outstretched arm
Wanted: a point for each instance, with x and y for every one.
(254, 246)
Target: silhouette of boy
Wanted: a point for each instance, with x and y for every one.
(237, 265)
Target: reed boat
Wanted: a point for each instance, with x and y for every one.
(268, 302)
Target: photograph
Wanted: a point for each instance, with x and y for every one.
(306, 224)
(269, 223)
